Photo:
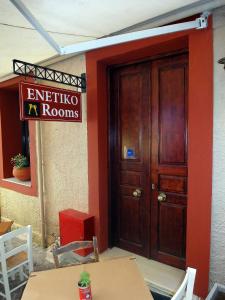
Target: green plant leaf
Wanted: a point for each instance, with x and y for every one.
(20, 161)
(84, 279)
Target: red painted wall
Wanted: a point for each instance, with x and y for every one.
(200, 155)
(10, 139)
(200, 125)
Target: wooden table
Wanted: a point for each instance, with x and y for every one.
(5, 227)
(117, 279)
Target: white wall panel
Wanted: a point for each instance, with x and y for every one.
(217, 263)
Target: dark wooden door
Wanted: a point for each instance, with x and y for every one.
(169, 160)
(148, 145)
(130, 156)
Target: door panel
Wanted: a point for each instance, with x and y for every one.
(130, 87)
(171, 115)
(130, 123)
(169, 160)
(176, 184)
(171, 229)
(131, 179)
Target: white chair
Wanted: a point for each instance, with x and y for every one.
(185, 290)
(91, 256)
(17, 259)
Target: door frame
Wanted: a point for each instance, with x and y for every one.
(200, 125)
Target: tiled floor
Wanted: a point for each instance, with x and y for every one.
(161, 278)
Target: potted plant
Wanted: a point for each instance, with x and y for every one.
(21, 167)
(84, 285)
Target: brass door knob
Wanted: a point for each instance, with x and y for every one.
(137, 193)
(161, 197)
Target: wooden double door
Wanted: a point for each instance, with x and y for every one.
(148, 158)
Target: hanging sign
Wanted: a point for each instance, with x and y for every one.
(46, 103)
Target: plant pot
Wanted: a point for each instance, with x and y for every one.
(85, 293)
(22, 174)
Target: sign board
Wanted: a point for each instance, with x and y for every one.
(46, 103)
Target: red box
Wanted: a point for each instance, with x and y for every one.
(75, 226)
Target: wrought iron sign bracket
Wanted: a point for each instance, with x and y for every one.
(31, 70)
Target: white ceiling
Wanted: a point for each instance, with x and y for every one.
(69, 22)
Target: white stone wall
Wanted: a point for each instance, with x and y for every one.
(217, 262)
(22, 209)
(65, 156)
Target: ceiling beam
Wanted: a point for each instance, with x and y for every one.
(199, 23)
(34, 22)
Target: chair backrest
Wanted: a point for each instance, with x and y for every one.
(15, 258)
(5, 252)
(92, 256)
(186, 288)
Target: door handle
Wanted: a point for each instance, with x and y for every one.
(137, 193)
(161, 197)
